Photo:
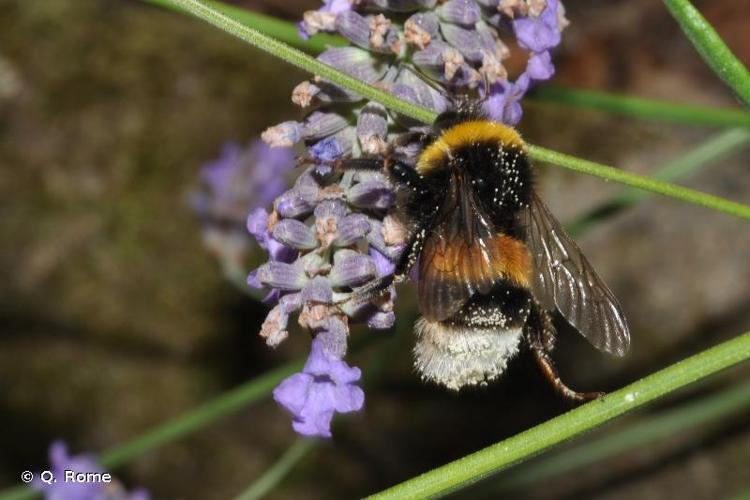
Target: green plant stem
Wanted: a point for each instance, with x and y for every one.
(641, 182)
(712, 48)
(230, 402)
(167, 432)
(302, 60)
(669, 423)
(710, 151)
(685, 114)
(271, 26)
(273, 476)
(497, 457)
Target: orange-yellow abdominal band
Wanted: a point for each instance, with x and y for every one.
(465, 134)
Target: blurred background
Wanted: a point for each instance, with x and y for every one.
(115, 318)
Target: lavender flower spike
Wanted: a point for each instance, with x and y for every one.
(326, 385)
(54, 486)
(240, 180)
(341, 223)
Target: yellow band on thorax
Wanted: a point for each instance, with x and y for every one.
(466, 134)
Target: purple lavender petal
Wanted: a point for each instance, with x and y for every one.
(326, 150)
(326, 385)
(292, 392)
(538, 34)
(540, 66)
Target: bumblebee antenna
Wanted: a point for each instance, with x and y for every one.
(486, 81)
(430, 81)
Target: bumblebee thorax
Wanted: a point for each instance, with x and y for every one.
(467, 135)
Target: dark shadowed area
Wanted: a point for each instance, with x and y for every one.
(115, 318)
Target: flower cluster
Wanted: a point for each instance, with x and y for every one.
(457, 44)
(333, 231)
(55, 486)
(235, 183)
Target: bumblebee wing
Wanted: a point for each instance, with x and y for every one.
(458, 259)
(564, 280)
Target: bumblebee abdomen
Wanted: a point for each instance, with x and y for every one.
(473, 347)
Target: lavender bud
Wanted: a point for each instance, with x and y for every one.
(355, 62)
(351, 268)
(420, 29)
(297, 201)
(320, 124)
(285, 134)
(281, 275)
(316, 21)
(350, 229)
(295, 234)
(354, 27)
(273, 328)
(372, 129)
(468, 42)
(380, 26)
(304, 93)
(464, 12)
(318, 290)
(374, 193)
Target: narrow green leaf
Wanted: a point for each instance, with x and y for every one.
(497, 457)
(660, 426)
(710, 151)
(712, 48)
(273, 476)
(682, 113)
(640, 182)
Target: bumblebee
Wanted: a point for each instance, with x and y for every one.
(493, 262)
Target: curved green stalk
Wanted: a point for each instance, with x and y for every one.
(271, 477)
(639, 181)
(302, 60)
(660, 426)
(712, 48)
(710, 151)
(684, 114)
(471, 468)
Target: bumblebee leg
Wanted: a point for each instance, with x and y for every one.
(540, 335)
(404, 264)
